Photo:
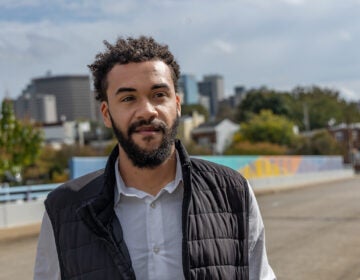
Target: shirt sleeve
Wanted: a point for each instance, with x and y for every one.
(47, 262)
(259, 268)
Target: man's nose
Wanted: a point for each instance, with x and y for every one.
(146, 110)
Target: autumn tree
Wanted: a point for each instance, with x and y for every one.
(20, 143)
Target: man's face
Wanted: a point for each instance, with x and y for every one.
(143, 110)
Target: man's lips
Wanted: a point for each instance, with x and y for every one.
(147, 129)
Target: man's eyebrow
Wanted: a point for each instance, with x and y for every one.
(157, 86)
(129, 89)
(124, 89)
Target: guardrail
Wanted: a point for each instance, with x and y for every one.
(25, 192)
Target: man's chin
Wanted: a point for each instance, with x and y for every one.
(148, 143)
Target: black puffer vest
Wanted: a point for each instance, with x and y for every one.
(215, 222)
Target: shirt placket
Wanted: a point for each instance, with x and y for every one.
(155, 238)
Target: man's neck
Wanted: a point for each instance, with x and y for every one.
(149, 180)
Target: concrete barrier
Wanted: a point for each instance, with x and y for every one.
(15, 214)
(21, 213)
(278, 183)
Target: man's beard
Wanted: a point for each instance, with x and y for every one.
(147, 158)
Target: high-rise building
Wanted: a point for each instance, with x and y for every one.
(188, 86)
(39, 108)
(212, 87)
(74, 99)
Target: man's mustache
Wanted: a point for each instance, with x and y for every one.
(156, 124)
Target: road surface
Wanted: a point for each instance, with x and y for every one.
(312, 233)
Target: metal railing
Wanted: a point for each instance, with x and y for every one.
(25, 192)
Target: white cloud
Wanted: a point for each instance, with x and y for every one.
(349, 89)
(222, 46)
(345, 35)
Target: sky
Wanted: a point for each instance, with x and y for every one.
(280, 44)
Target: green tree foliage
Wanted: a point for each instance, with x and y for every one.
(320, 105)
(263, 134)
(20, 143)
(189, 109)
(307, 107)
(268, 127)
(257, 100)
(320, 143)
(351, 112)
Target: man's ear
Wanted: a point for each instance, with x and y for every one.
(178, 104)
(104, 108)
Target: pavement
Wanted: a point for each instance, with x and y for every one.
(313, 233)
(19, 232)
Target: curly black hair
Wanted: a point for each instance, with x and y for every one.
(129, 50)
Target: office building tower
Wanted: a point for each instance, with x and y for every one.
(188, 86)
(212, 87)
(38, 108)
(74, 98)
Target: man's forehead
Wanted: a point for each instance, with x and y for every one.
(136, 73)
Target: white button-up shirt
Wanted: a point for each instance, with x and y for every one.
(152, 228)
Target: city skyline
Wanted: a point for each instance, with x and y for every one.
(281, 45)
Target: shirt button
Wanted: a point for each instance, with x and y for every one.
(152, 204)
(156, 250)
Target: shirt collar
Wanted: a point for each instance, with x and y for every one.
(122, 189)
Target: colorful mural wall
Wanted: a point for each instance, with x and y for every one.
(269, 166)
(249, 166)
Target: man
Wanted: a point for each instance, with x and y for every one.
(153, 213)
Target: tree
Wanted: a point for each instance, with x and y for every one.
(307, 107)
(257, 100)
(20, 143)
(319, 106)
(188, 109)
(268, 127)
(320, 143)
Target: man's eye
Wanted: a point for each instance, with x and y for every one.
(160, 94)
(127, 99)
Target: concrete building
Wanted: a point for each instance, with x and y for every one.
(215, 135)
(69, 133)
(38, 108)
(188, 86)
(74, 99)
(212, 87)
